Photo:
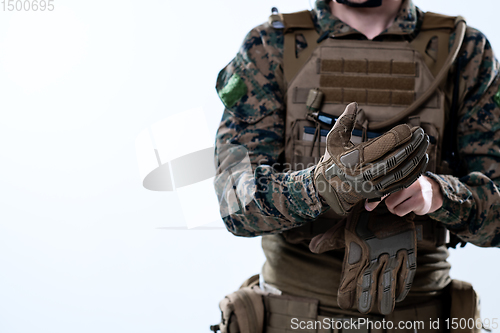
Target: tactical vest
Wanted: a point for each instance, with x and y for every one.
(386, 79)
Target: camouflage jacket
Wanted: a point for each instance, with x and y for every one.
(251, 88)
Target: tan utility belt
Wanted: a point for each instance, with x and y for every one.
(286, 314)
(250, 310)
(295, 314)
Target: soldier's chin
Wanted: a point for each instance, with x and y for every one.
(361, 3)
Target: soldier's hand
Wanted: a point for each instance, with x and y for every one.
(422, 197)
(348, 173)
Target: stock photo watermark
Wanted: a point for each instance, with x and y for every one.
(27, 5)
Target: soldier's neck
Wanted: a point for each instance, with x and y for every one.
(371, 22)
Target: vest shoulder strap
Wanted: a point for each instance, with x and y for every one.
(433, 21)
(298, 20)
(439, 65)
(298, 23)
(439, 28)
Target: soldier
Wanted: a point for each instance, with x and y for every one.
(348, 221)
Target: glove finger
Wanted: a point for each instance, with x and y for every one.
(406, 173)
(367, 285)
(355, 262)
(406, 273)
(402, 154)
(346, 293)
(347, 296)
(387, 285)
(330, 240)
(339, 137)
(402, 177)
(404, 183)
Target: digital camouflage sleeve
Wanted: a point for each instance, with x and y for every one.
(471, 204)
(251, 88)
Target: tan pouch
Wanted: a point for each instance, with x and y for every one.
(242, 311)
(464, 308)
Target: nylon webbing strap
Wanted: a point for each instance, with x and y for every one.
(291, 306)
(368, 67)
(369, 97)
(249, 310)
(281, 310)
(430, 233)
(364, 97)
(367, 82)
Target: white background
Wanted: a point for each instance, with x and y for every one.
(80, 244)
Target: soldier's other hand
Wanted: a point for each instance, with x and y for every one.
(422, 197)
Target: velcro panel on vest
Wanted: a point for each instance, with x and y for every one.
(368, 67)
(364, 97)
(367, 82)
(392, 90)
(369, 97)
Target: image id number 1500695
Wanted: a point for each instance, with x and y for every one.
(470, 324)
(27, 5)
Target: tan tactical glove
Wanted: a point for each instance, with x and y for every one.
(333, 239)
(380, 260)
(348, 173)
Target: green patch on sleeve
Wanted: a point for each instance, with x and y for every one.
(233, 91)
(496, 98)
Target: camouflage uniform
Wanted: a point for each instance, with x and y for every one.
(288, 200)
(253, 91)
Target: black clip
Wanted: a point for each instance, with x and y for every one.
(275, 19)
(215, 328)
